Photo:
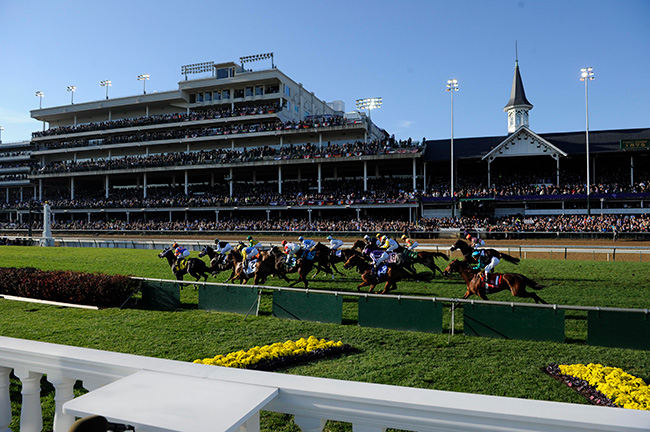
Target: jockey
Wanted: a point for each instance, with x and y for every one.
(307, 244)
(290, 249)
(223, 247)
(334, 243)
(388, 244)
(475, 242)
(486, 263)
(251, 241)
(410, 243)
(180, 253)
(248, 253)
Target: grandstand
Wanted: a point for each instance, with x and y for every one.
(232, 143)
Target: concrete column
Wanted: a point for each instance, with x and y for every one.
(106, 186)
(279, 179)
(71, 188)
(186, 182)
(365, 175)
(415, 175)
(319, 181)
(144, 185)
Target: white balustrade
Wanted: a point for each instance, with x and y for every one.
(312, 401)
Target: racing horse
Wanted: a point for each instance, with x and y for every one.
(317, 259)
(400, 258)
(467, 251)
(333, 257)
(393, 274)
(218, 262)
(195, 266)
(263, 268)
(514, 282)
(426, 258)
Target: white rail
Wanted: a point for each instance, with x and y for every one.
(369, 407)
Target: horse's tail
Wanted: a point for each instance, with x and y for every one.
(531, 283)
(510, 258)
(440, 255)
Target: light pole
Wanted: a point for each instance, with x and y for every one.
(40, 95)
(586, 75)
(452, 86)
(370, 104)
(143, 78)
(1, 129)
(71, 89)
(107, 84)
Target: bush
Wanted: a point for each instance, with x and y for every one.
(67, 286)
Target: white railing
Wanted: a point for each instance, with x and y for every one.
(369, 407)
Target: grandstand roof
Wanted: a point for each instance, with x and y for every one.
(572, 143)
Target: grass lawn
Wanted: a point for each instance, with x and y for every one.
(436, 361)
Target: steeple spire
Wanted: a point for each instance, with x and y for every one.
(518, 106)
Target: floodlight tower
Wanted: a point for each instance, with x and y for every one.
(452, 86)
(586, 75)
(107, 84)
(39, 94)
(1, 129)
(71, 89)
(143, 78)
(370, 104)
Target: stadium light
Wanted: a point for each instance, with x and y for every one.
(107, 84)
(71, 89)
(452, 86)
(196, 68)
(586, 75)
(256, 57)
(369, 104)
(40, 94)
(143, 78)
(1, 129)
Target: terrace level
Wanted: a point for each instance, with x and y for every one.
(312, 401)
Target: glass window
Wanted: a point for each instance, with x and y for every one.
(249, 91)
(217, 95)
(259, 90)
(192, 98)
(223, 73)
(287, 90)
(239, 93)
(208, 96)
(272, 89)
(199, 97)
(225, 94)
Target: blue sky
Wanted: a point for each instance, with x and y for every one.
(402, 51)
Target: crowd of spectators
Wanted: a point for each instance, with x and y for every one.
(216, 113)
(222, 156)
(487, 226)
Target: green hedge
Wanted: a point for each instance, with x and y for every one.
(93, 289)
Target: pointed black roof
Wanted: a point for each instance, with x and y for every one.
(517, 94)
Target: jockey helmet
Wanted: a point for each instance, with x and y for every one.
(366, 237)
(249, 238)
(284, 242)
(301, 238)
(384, 238)
(475, 254)
(329, 237)
(468, 237)
(175, 245)
(216, 241)
(378, 235)
(404, 237)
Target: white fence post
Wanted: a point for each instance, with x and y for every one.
(31, 417)
(5, 400)
(309, 424)
(64, 391)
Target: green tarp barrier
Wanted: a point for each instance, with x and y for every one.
(619, 329)
(400, 314)
(308, 306)
(161, 295)
(229, 298)
(513, 322)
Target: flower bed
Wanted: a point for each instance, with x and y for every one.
(606, 386)
(279, 354)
